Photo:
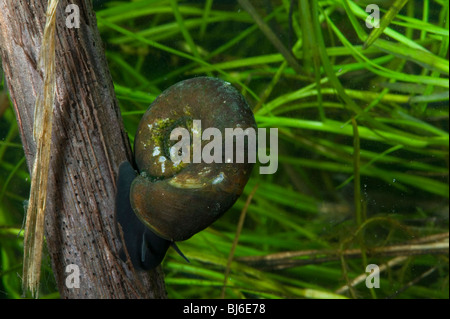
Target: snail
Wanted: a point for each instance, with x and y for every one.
(166, 201)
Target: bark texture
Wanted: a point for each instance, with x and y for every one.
(88, 144)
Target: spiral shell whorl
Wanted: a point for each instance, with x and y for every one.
(178, 200)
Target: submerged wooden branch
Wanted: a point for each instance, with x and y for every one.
(88, 144)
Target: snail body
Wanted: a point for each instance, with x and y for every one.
(167, 201)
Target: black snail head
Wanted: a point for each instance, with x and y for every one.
(170, 201)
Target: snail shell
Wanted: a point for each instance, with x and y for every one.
(177, 200)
